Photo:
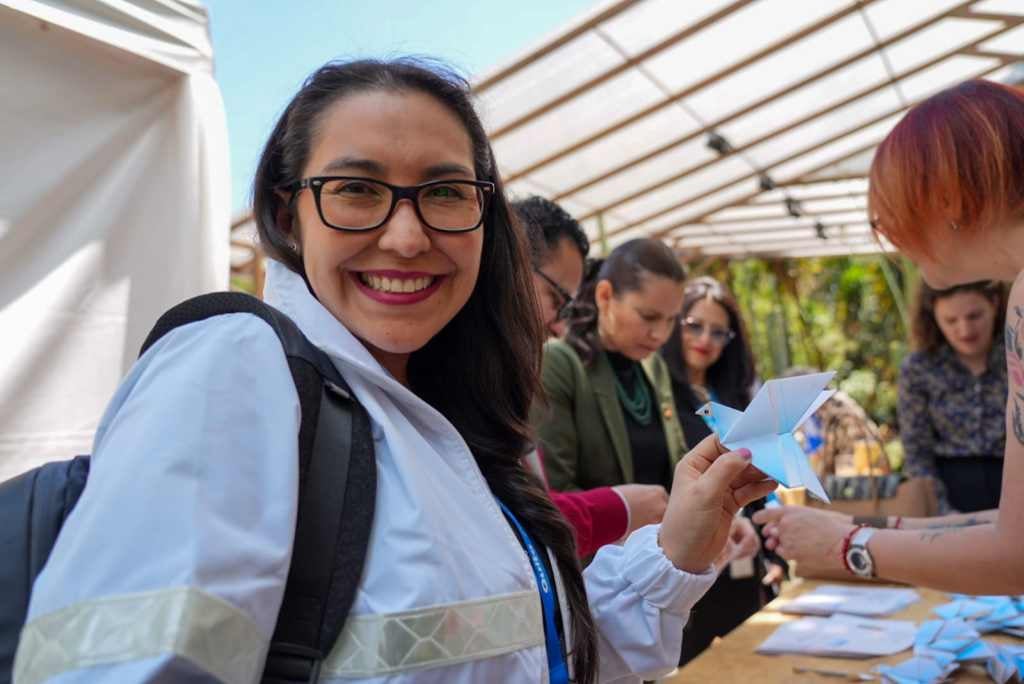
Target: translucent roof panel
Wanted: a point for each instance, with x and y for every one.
(704, 122)
(645, 24)
(612, 151)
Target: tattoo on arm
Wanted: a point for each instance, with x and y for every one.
(1015, 366)
(969, 522)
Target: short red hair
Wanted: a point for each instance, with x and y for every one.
(955, 160)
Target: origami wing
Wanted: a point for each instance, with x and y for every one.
(780, 406)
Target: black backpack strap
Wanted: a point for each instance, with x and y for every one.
(33, 507)
(337, 491)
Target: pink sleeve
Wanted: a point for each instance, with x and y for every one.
(598, 517)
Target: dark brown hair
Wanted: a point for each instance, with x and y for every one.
(731, 377)
(626, 268)
(954, 160)
(482, 370)
(925, 331)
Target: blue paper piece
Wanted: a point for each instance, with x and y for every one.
(916, 670)
(968, 609)
(1006, 663)
(767, 426)
(951, 636)
(978, 651)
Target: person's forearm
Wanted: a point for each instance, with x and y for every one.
(944, 521)
(980, 559)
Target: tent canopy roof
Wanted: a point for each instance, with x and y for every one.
(618, 116)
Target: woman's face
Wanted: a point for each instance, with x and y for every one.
(637, 323)
(963, 256)
(966, 320)
(706, 333)
(396, 286)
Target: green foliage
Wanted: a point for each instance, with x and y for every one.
(836, 313)
(242, 283)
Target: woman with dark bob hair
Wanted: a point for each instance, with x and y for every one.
(953, 394)
(947, 189)
(709, 358)
(378, 200)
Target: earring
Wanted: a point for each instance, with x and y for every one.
(954, 225)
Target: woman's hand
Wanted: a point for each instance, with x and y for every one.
(811, 537)
(743, 542)
(646, 504)
(710, 485)
(774, 575)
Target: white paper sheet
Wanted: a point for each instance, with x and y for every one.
(841, 636)
(864, 601)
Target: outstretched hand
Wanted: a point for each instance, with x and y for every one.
(710, 485)
(810, 536)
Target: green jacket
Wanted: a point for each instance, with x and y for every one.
(580, 423)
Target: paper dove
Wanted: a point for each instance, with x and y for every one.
(766, 428)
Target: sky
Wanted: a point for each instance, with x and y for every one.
(263, 50)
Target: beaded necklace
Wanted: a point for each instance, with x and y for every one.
(637, 401)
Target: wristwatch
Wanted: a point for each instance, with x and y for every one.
(858, 558)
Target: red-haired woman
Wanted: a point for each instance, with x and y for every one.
(947, 189)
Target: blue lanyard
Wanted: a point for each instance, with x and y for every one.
(556, 658)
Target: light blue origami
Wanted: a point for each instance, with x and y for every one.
(917, 670)
(949, 636)
(766, 428)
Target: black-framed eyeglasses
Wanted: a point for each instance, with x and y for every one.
(565, 298)
(720, 336)
(353, 203)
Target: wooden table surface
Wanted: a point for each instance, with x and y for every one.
(733, 658)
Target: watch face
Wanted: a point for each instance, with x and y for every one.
(859, 561)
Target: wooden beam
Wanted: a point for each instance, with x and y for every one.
(757, 104)
(574, 32)
(592, 83)
(689, 90)
(1004, 57)
(969, 13)
(810, 198)
(771, 217)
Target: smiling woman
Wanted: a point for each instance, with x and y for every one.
(378, 199)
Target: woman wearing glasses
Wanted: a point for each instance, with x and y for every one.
(378, 199)
(709, 359)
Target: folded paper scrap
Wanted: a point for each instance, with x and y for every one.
(957, 642)
(840, 636)
(766, 428)
(950, 637)
(917, 670)
(986, 613)
(1007, 664)
(864, 601)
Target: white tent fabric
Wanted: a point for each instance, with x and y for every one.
(613, 115)
(114, 205)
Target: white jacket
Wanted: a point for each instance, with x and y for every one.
(173, 564)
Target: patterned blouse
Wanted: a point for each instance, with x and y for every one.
(947, 412)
